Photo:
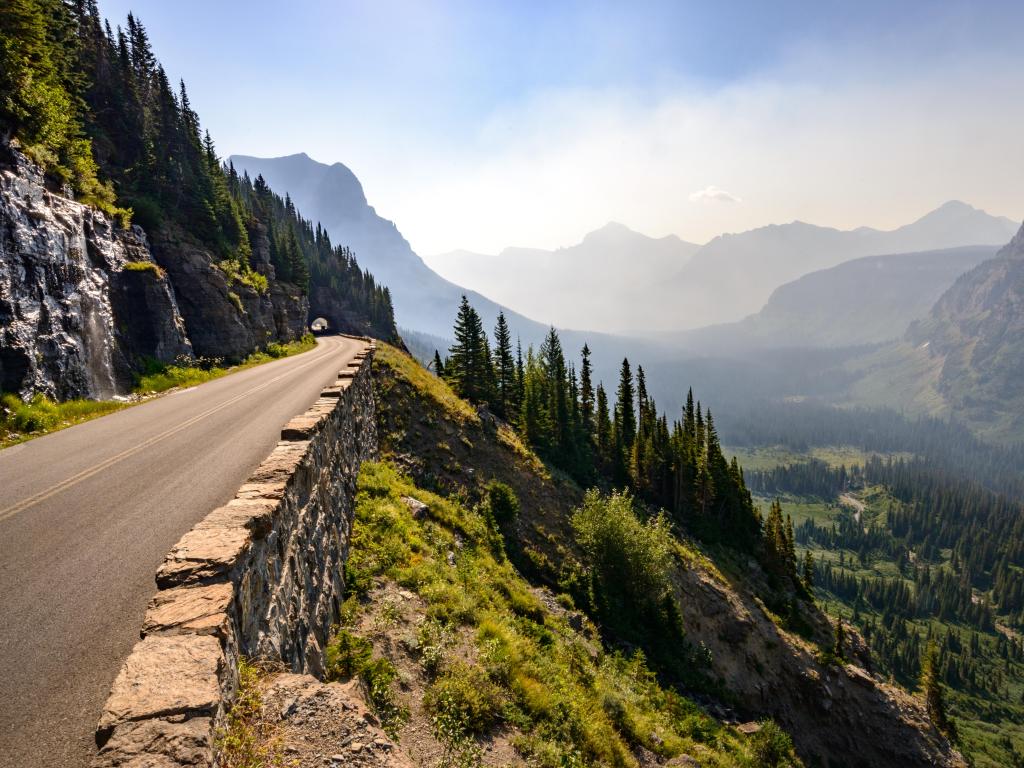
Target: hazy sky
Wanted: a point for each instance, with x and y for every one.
(480, 125)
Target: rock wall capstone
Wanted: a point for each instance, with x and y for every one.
(260, 577)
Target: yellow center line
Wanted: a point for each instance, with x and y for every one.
(87, 473)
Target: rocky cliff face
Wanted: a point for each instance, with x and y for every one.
(227, 319)
(83, 302)
(78, 308)
(977, 330)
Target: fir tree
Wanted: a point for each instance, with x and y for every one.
(587, 404)
(507, 391)
(624, 424)
(469, 368)
(839, 646)
(603, 431)
(933, 697)
(808, 572)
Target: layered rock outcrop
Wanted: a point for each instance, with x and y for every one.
(80, 298)
(84, 302)
(260, 577)
(227, 319)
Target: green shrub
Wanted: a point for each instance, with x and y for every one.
(379, 676)
(143, 266)
(147, 213)
(503, 503)
(248, 739)
(771, 747)
(630, 561)
(463, 702)
(347, 655)
(41, 414)
(433, 639)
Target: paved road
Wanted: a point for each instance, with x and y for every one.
(86, 516)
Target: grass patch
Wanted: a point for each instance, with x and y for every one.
(235, 273)
(348, 656)
(561, 696)
(426, 383)
(190, 372)
(248, 739)
(143, 266)
(21, 421)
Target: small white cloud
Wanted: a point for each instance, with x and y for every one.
(713, 194)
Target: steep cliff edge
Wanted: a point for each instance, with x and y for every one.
(81, 300)
(839, 714)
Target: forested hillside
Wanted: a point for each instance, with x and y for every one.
(92, 105)
(914, 555)
(725, 619)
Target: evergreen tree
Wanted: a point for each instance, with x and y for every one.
(507, 390)
(839, 647)
(520, 377)
(438, 364)
(535, 418)
(603, 431)
(808, 572)
(933, 697)
(587, 404)
(469, 368)
(556, 385)
(624, 424)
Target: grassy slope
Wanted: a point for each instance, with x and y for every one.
(21, 421)
(496, 671)
(445, 447)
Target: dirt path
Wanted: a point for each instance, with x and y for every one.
(854, 503)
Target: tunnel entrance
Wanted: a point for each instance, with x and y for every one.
(320, 325)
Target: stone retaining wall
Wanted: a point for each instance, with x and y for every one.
(260, 577)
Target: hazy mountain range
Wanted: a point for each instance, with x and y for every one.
(813, 290)
(598, 281)
(620, 281)
(862, 301)
(331, 194)
(965, 358)
(425, 303)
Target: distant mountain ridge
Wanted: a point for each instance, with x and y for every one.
(599, 280)
(424, 302)
(734, 275)
(868, 300)
(965, 359)
(729, 278)
(333, 195)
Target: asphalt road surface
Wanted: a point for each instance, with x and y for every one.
(86, 516)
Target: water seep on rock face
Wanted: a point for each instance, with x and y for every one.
(73, 319)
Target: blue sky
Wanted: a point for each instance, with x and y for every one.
(480, 125)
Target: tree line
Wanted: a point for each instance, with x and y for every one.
(945, 444)
(616, 439)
